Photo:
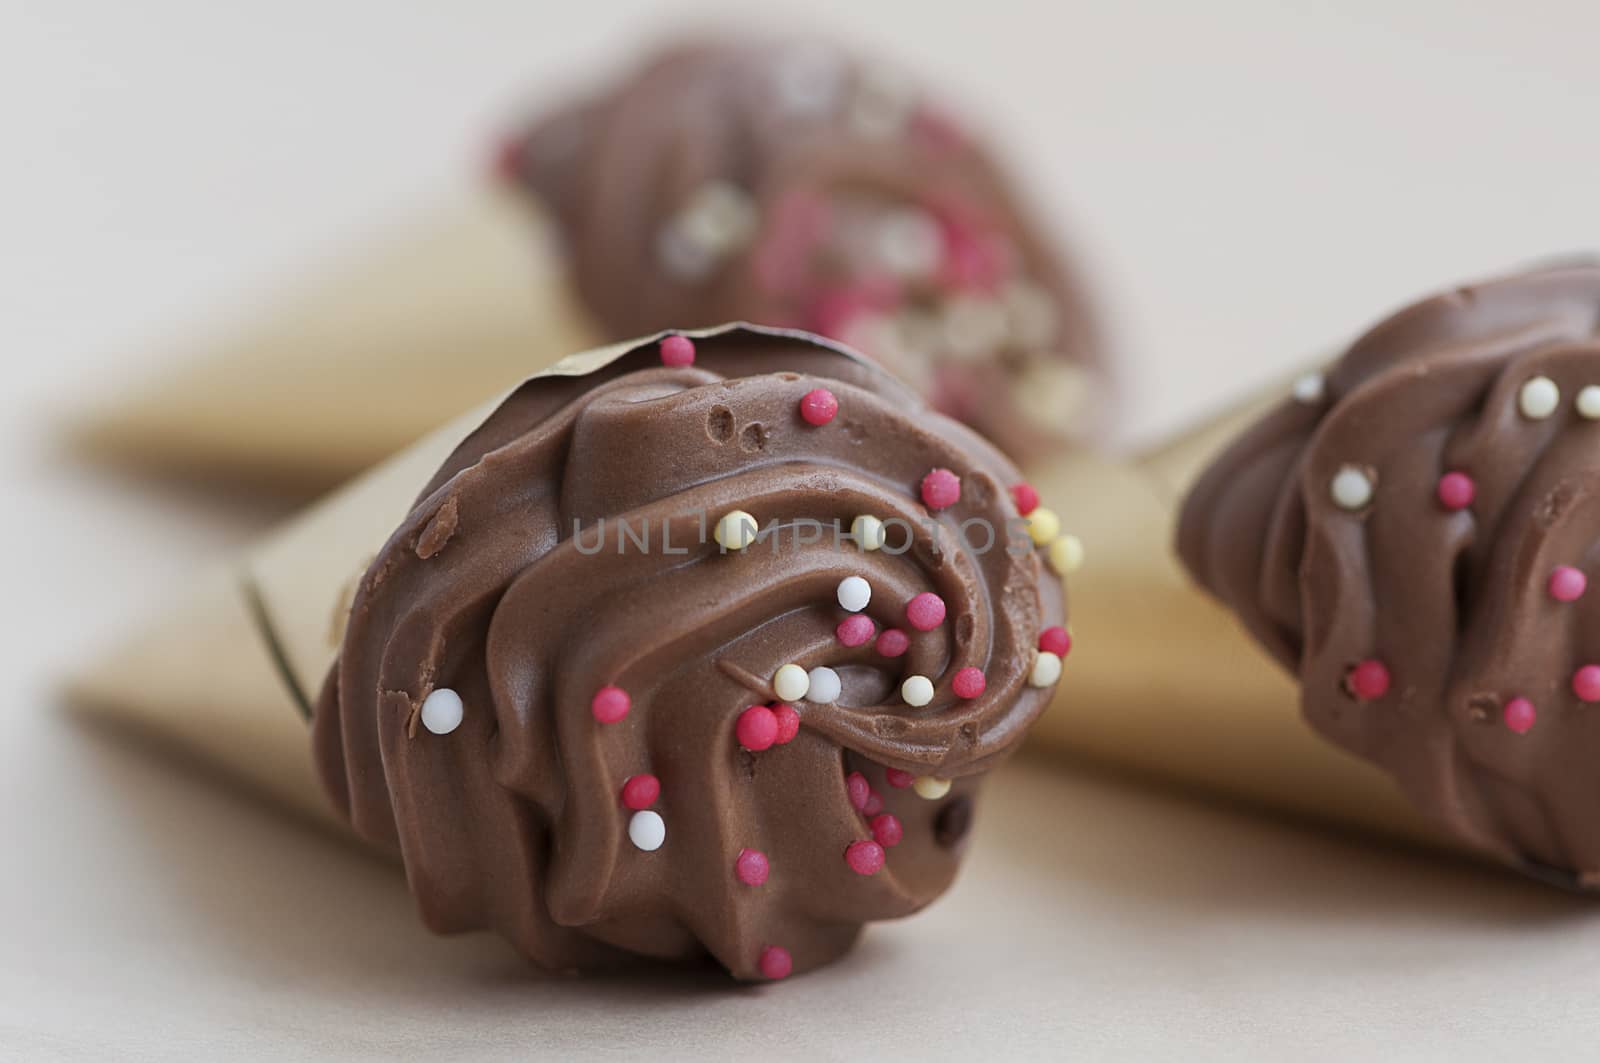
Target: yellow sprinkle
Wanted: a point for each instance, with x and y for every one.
(930, 787)
(1066, 554)
(1043, 526)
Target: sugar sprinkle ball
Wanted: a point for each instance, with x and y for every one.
(823, 685)
(968, 683)
(1567, 584)
(925, 611)
(930, 787)
(893, 642)
(1350, 488)
(818, 406)
(736, 530)
(640, 791)
(791, 683)
(855, 630)
(647, 830)
(1025, 497)
(1456, 490)
(1539, 398)
(677, 351)
(610, 704)
(864, 857)
(854, 594)
(788, 723)
(756, 728)
(775, 962)
(916, 690)
(442, 711)
(857, 789)
(941, 489)
(751, 866)
(1055, 640)
(1368, 680)
(1046, 670)
(886, 830)
(1520, 715)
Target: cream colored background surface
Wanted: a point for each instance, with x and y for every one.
(1251, 181)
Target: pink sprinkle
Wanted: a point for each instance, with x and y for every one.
(1456, 490)
(887, 830)
(1026, 498)
(1368, 680)
(941, 489)
(1055, 640)
(751, 867)
(968, 683)
(677, 351)
(864, 857)
(893, 642)
(857, 789)
(1567, 584)
(757, 728)
(900, 779)
(818, 406)
(1520, 715)
(610, 704)
(788, 723)
(874, 803)
(641, 791)
(855, 629)
(1586, 682)
(925, 611)
(775, 962)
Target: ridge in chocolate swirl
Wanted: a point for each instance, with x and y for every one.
(619, 777)
(790, 185)
(1413, 534)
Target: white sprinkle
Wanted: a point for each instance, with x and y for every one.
(908, 243)
(647, 830)
(809, 81)
(1350, 488)
(442, 711)
(1046, 670)
(854, 593)
(930, 787)
(681, 257)
(867, 532)
(791, 683)
(1309, 389)
(1033, 319)
(718, 220)
(917, 690)
(720, 215)
(823, 686)
(882, 105)
(973, 327)
(1053, 395)
(736, 530)
(1539, 398)
(1588, 403)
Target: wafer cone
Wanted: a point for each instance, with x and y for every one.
(1162, 681)
(361, 361)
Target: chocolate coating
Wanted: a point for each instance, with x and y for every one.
(1447, 588)
(514, 820)
(789, 185)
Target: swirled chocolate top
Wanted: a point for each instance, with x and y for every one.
(1413, 533)
(790, 185)
(701, 653)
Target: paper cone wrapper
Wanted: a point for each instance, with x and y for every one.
(230, 675)
(1161, 680)
(361, 361)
